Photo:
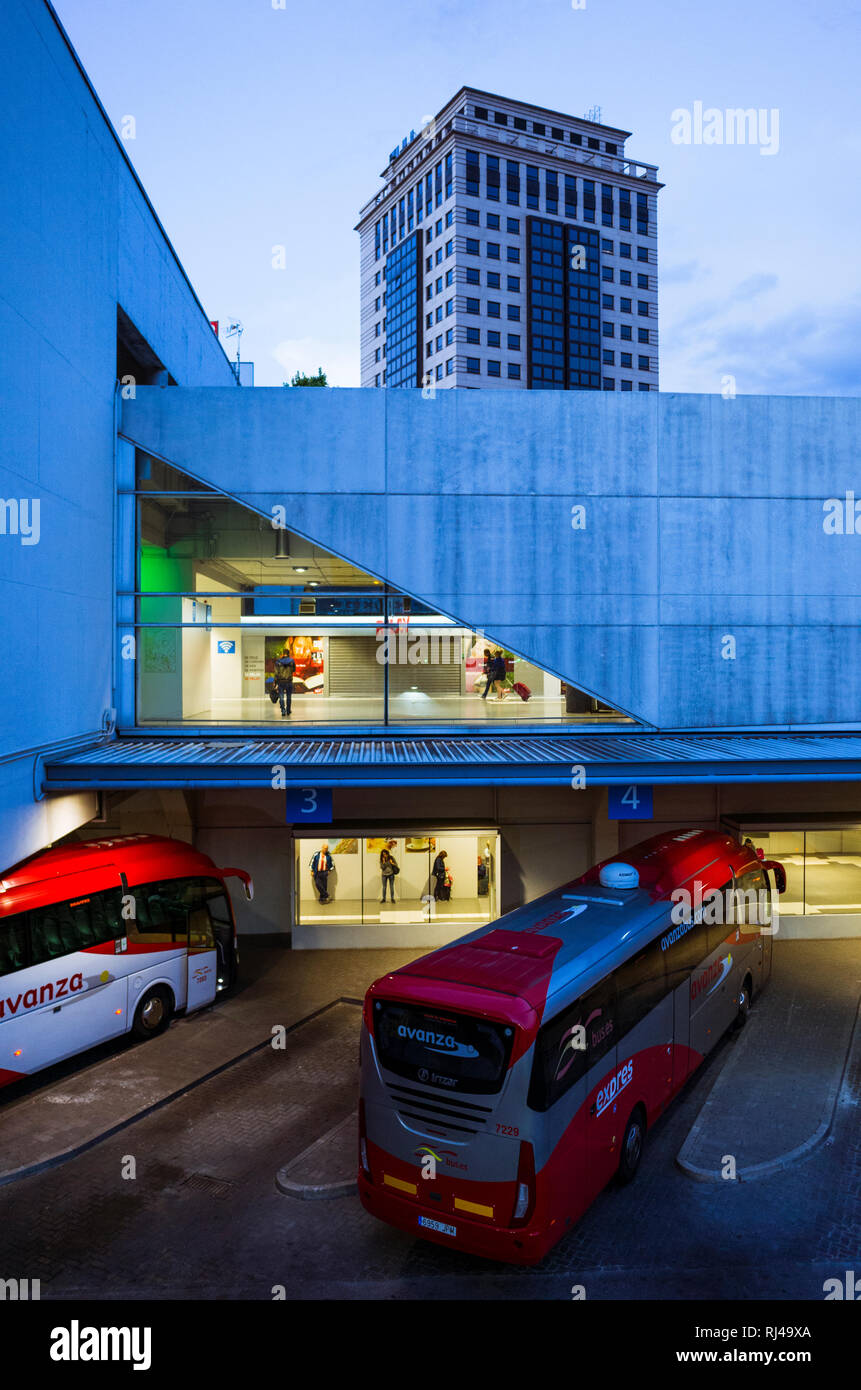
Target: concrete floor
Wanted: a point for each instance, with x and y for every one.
(471, 912)
(202, 1217)
(403, 709)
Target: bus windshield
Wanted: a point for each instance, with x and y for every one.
(441, 1048)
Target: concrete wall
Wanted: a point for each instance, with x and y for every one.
(703, 523)
(77, 239)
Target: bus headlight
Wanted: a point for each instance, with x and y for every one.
(521, 1206)
(363, 1156)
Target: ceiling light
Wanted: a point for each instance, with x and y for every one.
(300, 569)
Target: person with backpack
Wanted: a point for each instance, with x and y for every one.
(285, 668)
(388, 869)
(322, 865)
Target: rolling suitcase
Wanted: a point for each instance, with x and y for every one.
(522, 690)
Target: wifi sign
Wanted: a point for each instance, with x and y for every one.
(227, 647)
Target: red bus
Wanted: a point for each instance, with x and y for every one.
(507, 1077)
(104, 937)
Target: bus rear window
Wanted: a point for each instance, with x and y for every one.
(442, 1049)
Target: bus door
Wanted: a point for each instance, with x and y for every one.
(224, 934)
(754, 913)
(766, 937)
(201, 959)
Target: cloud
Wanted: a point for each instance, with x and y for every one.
(810, 352)
(338, 360)
(682, 274)
(698, 316)
(754, 285)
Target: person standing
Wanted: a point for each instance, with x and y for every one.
(488, 662)
(322, 865)
(388, 869)
(483, 877)
(285, 669)
(438, 873)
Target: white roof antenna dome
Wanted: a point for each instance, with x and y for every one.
(619, 875)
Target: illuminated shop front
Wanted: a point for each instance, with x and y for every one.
(822, 859)
(446, 883)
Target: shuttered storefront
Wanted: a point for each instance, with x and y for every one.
(355, 671)
(432, 678)
(353, 667)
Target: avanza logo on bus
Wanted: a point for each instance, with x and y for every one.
(45, 994)
(712, 976)
(437, 1042)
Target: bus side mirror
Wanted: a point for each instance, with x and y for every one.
(246, 879)
(779, 874)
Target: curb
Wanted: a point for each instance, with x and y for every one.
(56, 1160)
(782, 1161)
(308, 1192)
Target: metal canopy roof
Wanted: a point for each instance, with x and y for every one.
(455, 760)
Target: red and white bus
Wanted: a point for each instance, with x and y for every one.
(103, 937)
(507, 1077)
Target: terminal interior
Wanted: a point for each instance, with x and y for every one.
(354, 887)
(222, 593)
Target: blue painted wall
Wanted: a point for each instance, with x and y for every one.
(704, 520)
(77, 238)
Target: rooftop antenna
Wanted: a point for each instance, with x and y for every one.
(234, 328)
(593, 114)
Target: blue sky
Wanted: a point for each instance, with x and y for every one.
(259, 127)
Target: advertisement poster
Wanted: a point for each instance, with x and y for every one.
(307, 652)
(419, 844)
(375, 844)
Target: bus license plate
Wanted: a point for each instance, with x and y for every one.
(440, 1226)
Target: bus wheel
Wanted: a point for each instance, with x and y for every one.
(632, 1147)
(153, 1013)
(743, 1004)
